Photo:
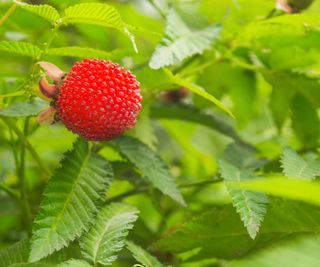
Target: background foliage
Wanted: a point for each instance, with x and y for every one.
(222, 167)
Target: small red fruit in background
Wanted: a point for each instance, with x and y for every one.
(97, 99)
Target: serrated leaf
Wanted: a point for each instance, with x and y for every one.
(97, 14)
(47, 12)
(251, 206)
(151, 166)
(70, 200)
(16, 253)
(180, 42)
(21, 48)
(218, 232)
(191, 114)
(301, 252)
(74, 263)
(142, 256)
(296, 189)
(75, 51)
(24, 109)
(295, 166)
(106, 237)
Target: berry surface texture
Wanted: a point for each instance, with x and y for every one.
(98, 100)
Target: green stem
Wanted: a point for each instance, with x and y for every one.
(18, 93)
(9, 191)
(137, 191)
(160, 11)
(28, 146)
(8, 13)
(26, 210)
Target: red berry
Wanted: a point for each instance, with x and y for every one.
(98, 100)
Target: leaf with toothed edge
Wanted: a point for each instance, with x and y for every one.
(70, 200)
(151, 165)
(106, 237)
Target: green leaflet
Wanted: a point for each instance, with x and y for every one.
(298, 253)
(191, 114)
(16, 253)
(151, 166)
(96, 14)
(21, 48)
(250, 205)
(47, 12)
(106, 236)
(296, 189)
(219, 233)
(76, 51)
(142, 256)
(295, 166)
(70, 200)
(24, 109)
(74, 263)
(180, 42)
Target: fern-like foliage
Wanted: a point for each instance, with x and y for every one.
(180, 42)
(75, 51)
(70, 200)
(295, 166)
(17, 253)
(97, 14)
(74, 263)
(21, 48)
(106, 237)
(47, 12)
(151, 166)
(250, 205)
(143, 256)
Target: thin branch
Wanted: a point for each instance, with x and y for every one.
(9, 191)
(160, 11)
(29, 147)
(8, 13)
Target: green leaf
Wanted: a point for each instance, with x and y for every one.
(75, 51)
(97, 14)
(280, 186)
(151, 166)
(106, 237)
(70, 200)
(24, 109)
(180, 42)
(74, 263)
(142, 256)
(305, 121)
(21, 48)
(16, 253)
(218, 233)
(191, 114)
(251, 206)
(301, 252)
(202, 92)
(47, 12)
(295, 166)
